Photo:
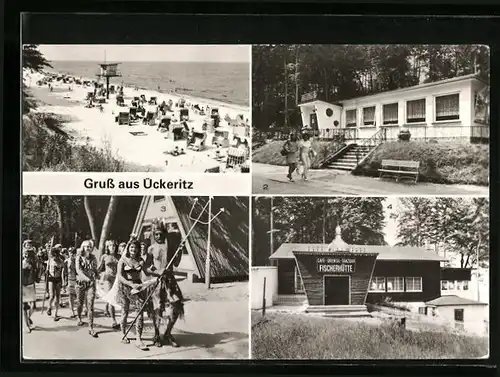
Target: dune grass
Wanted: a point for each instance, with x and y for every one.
(270, 152)
(444, 162)
(294, 336)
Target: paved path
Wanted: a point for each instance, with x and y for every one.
(271, 179)
(210, 330)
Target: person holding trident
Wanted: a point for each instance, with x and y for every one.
(167, 297)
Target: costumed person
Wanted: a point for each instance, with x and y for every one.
(86, 275)
(69, 278)
(167, 298)
(108, 268)
(55, 267)
(29, 278)
(127, 291)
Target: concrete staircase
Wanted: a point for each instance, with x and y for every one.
(339, 311)
(349, 159)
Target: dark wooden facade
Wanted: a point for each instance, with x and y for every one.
(286, 276)
(314, 280)
(450, 273)
(429, 271)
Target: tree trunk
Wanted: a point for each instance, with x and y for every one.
(42, 216)
(60, 223)
(90, 216)
(108, 220)
(324, 220)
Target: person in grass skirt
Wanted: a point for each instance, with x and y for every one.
(86, 275)
(108, 267)
(55, 266)
(127, 292)
(29, 278)
(69, 278)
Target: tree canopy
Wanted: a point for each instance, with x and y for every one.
(282, 73)
(33, 60)
(313, 220)
(454, 225)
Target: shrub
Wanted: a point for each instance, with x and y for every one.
(293, 336)
(404, 135)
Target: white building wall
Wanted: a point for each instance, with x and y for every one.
(474, 316)
(257, 282)
(430, 128)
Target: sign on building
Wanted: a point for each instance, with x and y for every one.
(336, 265)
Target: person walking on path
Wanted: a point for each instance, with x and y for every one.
(306, 153)
(86, 275)
(291, 149)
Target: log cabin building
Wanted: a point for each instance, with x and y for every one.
(339, 275)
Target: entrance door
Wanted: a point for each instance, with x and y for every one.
(337, 290)
(313, 121)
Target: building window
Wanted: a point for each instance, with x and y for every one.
(414, 284)
(369, 116)
(422, 310)
(377, 284)
(299, 285)
(350, 118)
(447, 107)
(415, 111)
(395, 284)
(390, 114)
(465, 285)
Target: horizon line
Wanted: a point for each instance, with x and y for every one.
(146, 61)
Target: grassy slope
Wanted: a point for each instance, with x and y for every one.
(439, 162)
(270, 153)
(289, 336)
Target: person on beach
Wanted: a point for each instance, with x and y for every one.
(167, 297)
(69, 279)
(291, 148)
(306, 153)
(121, 248)
(108, 266)
(127, 293)
(55, 266)
(29, 278)
(86, 275)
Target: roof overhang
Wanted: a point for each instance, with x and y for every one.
(315, 102)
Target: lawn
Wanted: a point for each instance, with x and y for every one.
(270, 152)
(296, 336)
(443, 162)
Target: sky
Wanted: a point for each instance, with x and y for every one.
(149, 53)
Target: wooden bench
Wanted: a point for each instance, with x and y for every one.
(400, 168)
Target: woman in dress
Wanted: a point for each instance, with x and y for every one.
(291, 147)
(108, 265)
(129, 282)
(86, 275)
(69, 277)
(55, 267)
(29, 278)
(306, 153)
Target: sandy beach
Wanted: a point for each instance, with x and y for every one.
(140, 146)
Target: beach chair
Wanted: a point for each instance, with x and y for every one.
(164, 124)
(120, 101)
(214, 114)
(177, 132)
(123, 118)
(221, 139)
(198, 143)
(184, 115)
(235, 157)
(133, 113)
(149, 119)
(90, 96)
(137, 99)
(143, 98)
(153, 101)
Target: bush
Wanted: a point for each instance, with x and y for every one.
(404, 135)
(47, 147)
(450, 162)
(270, 153)
(293, 336)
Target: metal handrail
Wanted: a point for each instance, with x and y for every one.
(376, 139)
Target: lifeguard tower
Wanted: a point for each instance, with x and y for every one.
(107, 71)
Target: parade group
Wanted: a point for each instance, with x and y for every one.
(130, 276)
